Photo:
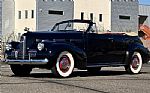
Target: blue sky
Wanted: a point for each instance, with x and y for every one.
(144, 2)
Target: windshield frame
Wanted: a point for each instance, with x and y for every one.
(89, 22)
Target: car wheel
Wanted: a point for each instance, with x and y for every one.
(21, 70)
(94, 69)
(64, 65)
(135, 65)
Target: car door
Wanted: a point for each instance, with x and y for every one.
(120, 47)
(99, 48)
(105, 49)
(76, 38)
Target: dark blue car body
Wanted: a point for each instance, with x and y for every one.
(88, 48)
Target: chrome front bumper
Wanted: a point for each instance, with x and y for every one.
(29, 62)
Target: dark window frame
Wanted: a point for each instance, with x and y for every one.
(82, 15)
(124, 17)
(100, 17)
(19, 14)
(32, 13)
(26, 14)
(91, 17)
(55, 12)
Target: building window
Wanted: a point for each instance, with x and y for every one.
(100, 17)
(32, 13)
(91, 16)
(26, 14)
(55, 12)
(124, 17)
(19, 14)
(82, 15)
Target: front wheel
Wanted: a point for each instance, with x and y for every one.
(21, 70)
(134, 67)
(64, 65)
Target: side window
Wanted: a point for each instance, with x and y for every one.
(26, 14)
(19, 14)
(32, 13)
(100, 18)
(82, 15)
(91, 16)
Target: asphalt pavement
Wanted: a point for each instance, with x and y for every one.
(109, 80)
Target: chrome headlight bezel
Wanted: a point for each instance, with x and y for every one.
(40, 46)
(8, 47)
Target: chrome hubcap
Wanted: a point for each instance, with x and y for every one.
(64, 63)
(135, 62)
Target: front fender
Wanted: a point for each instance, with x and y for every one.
(78, 54)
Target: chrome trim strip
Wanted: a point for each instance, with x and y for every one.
(31, 61)
(24, 47)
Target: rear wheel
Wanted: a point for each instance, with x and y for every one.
(135, 65)
(64, 65)
(21, 70)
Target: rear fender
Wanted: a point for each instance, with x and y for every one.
(142, 50)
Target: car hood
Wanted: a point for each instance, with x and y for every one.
(46, 35)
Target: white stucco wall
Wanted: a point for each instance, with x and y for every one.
(20, 24)
(96, 7)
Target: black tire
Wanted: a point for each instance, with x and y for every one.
(21, 70)
(135, 64)
(64, 65)
(94, 69)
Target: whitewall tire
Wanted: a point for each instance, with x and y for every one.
(64, 64)
(135, 65)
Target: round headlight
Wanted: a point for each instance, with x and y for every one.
(40, 46)
(8, 47)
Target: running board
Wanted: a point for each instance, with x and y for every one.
(105, 65)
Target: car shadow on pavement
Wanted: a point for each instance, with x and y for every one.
(100, 73)
(80, 74)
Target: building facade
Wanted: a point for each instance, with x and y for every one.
(144, 24)
(144, 14)
(40, 15)
(49, 12)
(0, 19)
(8, 18)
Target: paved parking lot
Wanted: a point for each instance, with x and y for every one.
(109, 80)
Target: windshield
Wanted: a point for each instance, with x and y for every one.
(71, 25)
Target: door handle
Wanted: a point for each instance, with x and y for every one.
(111, 39)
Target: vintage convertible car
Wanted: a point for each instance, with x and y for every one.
(75, 44)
